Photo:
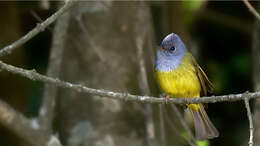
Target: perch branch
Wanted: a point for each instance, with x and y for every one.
(33, 75)
(252, 9)
(250, 119)
(36, 30)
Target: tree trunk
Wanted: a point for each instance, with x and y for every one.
(101, 53)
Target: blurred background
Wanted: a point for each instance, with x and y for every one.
(102, 52)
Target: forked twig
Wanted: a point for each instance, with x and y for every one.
(36, 30)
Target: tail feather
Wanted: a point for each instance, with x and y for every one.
(204, 128)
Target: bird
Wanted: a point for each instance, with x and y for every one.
(179, 76)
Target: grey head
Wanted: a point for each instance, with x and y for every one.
(171, 52)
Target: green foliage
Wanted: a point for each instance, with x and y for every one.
(203, 143)
(200, 143)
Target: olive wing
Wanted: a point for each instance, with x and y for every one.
(206, 85)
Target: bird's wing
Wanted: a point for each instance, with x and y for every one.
(206, 85)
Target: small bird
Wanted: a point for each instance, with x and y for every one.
(179, 75)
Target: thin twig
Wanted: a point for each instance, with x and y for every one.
(184, 124)
(50, 91)
(251, 125)
(252, 9)
(33, 75)
(38, 18)
(36, 30)
(91, 41)
(178, 133)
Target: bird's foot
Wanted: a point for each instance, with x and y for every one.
(167, 97)
(187, 99)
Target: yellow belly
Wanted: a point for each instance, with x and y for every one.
(181, 82)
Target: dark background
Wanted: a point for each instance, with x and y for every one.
(221, 32)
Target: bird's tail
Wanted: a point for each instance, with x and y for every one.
(204, 128)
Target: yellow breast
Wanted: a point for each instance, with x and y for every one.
(181, 82)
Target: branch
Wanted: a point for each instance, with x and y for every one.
(19, 124)
(252, 9)
(91, 41)
(50, 91)
(251, 125)
(39, 28)
(33, 75)
(141, 36)
(29, 130)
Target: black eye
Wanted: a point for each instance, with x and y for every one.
(172, 48)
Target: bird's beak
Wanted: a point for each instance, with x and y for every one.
(161, 48)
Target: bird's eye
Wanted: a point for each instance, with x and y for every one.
(172, 48)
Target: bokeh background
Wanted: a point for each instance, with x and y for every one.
(218, 33)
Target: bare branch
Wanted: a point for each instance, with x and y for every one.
(251, 125)
(33, 75)
(252, 9)
(141, 33)
(50, 91)
(39, 28)
(19, 124)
